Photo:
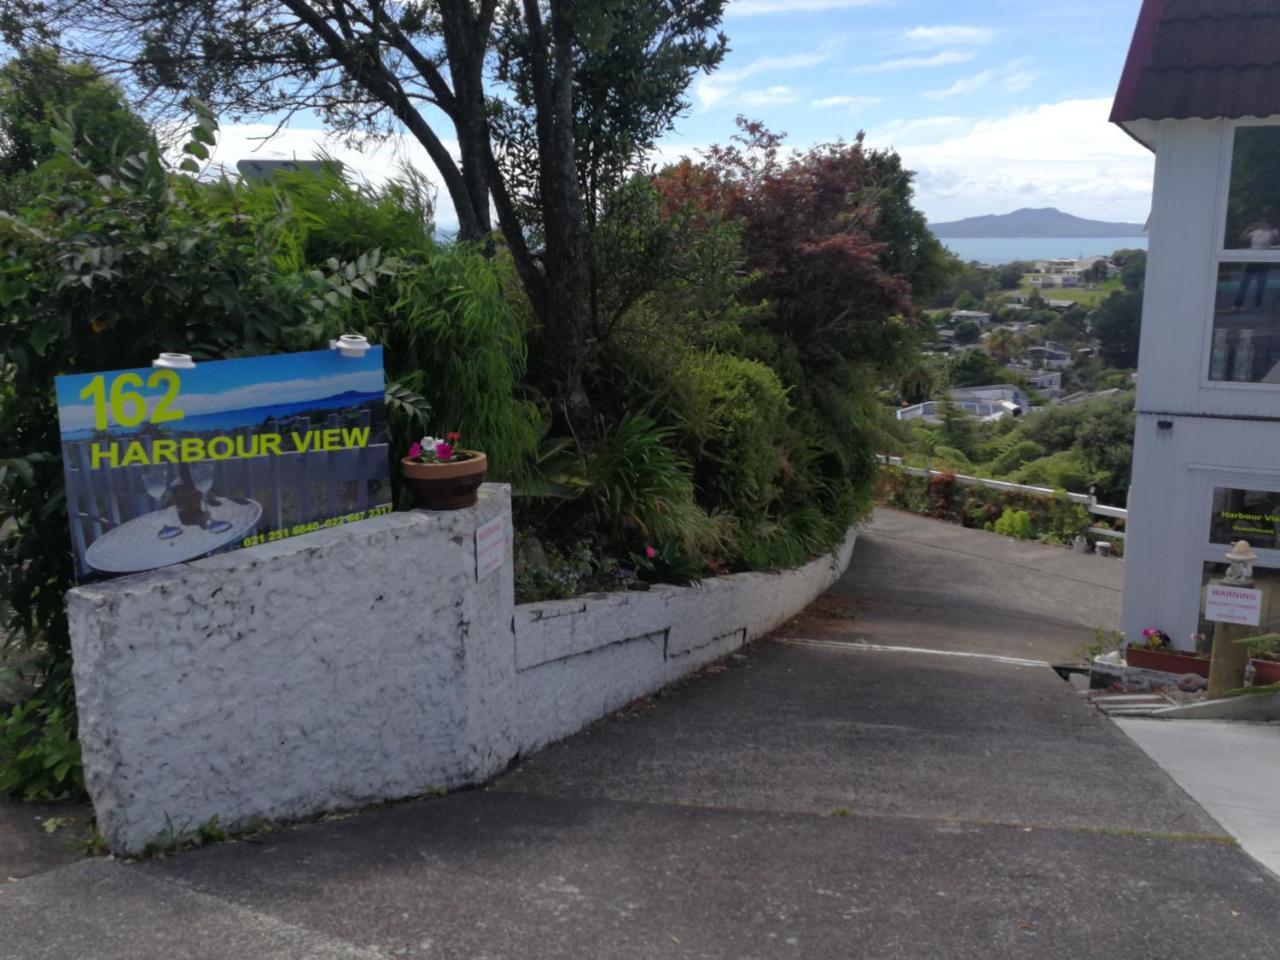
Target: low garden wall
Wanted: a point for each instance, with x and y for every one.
(369, 662)
(579, 659)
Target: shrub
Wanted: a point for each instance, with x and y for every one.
(731, 415)
(1058, 471)
(1020, 453)
(1015, 523)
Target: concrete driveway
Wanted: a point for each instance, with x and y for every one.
(816, 796)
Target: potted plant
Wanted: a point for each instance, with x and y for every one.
(1156, 652)
(441, 475)
(1264, 654)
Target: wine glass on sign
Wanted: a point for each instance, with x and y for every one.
(155, 479)
(202, 477)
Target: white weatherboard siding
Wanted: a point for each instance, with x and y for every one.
(368, 663)
(1175, 472)
(1188, 218)
(1221, 434)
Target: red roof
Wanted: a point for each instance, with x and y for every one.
(1202, 58)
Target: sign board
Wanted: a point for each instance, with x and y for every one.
(491, 549)
(1228, 604)
(1252, 515)
(167, 465)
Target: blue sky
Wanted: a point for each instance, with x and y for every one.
(997, 104)
(224, 385)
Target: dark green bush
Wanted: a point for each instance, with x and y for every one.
(731, 413)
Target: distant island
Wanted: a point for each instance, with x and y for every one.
(1028, 222)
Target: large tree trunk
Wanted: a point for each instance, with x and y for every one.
(560, 360)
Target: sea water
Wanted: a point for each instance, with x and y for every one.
(996, 250)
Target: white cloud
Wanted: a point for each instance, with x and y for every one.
(962, 86)
(944, 58)
(946, 36)
(751, 8)
(853, 103)
(1061, 154)
(724, 85)
(1017, 81)
(779, 93)
(1012, 78)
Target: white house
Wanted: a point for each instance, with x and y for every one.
(994, 393)
(980, 317)
(1050, 356)
(1201, 88)
(1047, 384)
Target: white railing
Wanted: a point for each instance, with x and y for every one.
(1088, 501)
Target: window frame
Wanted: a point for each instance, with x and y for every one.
(1224, 255)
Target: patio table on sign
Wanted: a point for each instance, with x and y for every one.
(137, 544)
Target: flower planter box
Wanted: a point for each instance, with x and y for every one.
(1167, 662)
(445, 486)
(1265, 672)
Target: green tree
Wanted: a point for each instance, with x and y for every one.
(1133, 270)
(956, 430)
(911, 251)
(1010, 276)
(1098, 272)
(1105, 442)
(967, 331)
(1003, 344)
(973, 368)
(40, 95)
(966, 301)
(1117, 323)
(502, 77)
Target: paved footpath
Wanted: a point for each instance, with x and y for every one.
(816, 796)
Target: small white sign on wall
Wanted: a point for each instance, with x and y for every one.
(1228, 604)
(491, 550)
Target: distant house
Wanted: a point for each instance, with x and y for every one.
(1201, 88)
(988, 411)
(994, 393)
(1084, 396)
(979, 317)
(1050, 356)
(1046, 383)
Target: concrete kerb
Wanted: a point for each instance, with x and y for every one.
(368, 663)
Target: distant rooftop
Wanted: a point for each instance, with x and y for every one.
(1202, 58)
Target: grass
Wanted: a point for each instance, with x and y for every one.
(1086, 298)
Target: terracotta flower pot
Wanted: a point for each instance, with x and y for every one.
(445, 486)
(1167, 662)
(1265, 672)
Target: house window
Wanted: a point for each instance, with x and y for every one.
(1253, 201)
(1252, 515)
(1246, 323)
(1246, 308)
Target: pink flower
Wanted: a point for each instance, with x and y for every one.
(453, 436)
(415, 450)
(444, 452)
(650, 552)
(1148, 632)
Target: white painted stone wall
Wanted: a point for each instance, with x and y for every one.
(578, 660)
(326, 671)
(366, 663)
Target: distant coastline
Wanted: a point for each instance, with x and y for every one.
(998, 250)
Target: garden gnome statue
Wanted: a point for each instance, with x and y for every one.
(1241, 557)
(1229, 659)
